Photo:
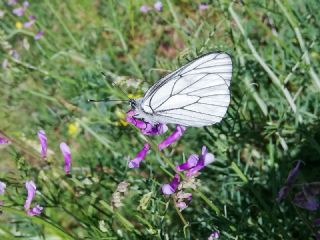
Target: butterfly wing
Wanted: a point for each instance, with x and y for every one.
(197, 94)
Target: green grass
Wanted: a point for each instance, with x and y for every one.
(272, 122)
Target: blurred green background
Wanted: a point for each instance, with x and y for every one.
(272, 122)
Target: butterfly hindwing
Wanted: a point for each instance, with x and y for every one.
(197, 94)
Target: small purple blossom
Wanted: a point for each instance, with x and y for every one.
(290, 180)
(170, 188)
(181, 205)
(172, 138)
(67, 156)
(20, 11)
(11, 2)
(306, 199)
(293, 173)
(43, 141)
(135, 163)
(214, 235)
(14, 54)
(4, 140)
(158, 6)
(183, 200)
(31, 188)
(282, 193)
(2, 187)
(145, 9)
(203, 6)
(306, 202)
(38, 35)
(145, 127)
(35, 211)
(195, 163)
(32, 20)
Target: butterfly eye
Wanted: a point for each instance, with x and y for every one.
(132, 103)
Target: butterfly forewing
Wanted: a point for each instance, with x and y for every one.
(196, 94)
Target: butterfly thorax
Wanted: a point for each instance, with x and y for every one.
(140, 113)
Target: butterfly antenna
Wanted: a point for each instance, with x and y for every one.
(116, 85)
(107, 100)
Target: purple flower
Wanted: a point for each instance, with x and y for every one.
(214, 235)
(43, 141)
(67, 156)
(14, 54)
(195, 163)
(290, 180)
(181, 205)
(145, 127)
(31, 21)
(316, 222)
(158, 6)
(170, 188)
(306, 202)
(35, 210)
(203, 6)
(307, 199)
(11, 2)
(4, 140)
(39, 35)
(172, 138)
(2, 187)
(183, 200)
(293, 173)
(135, 163)
(282, 193)
(190, 163)
(31, 188)
(145, 9)
(20, 11)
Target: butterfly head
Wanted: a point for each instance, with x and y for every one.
(133, 103)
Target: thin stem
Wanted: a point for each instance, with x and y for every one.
(301, 41)
(64, 26)
(271, 74)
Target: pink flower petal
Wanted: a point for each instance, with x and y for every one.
(214, 235)
(158, 6)
(4, 140)
(67, 157)
(2, 187)
(145, 9)
(38, 35)
(145, 127)
(35, 211)
(171, 187)
(135, 163)
(43, 141)
(181, 205)
(191, 162)
(172, 138)
(31, 188)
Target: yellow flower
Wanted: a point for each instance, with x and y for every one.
(134, 96)
(18, 25)
(73, 129)
(121, 115)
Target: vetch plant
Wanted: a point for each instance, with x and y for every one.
(31, 192)
(43, 141)
(65, 150)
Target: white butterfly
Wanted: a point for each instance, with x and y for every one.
(197, 94)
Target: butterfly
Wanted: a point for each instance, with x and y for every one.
(196, 94)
